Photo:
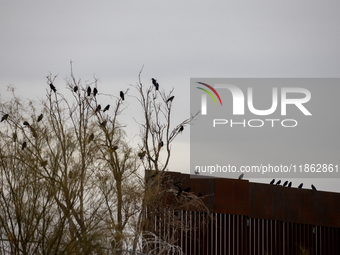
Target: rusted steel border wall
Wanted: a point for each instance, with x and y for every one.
(252, 218)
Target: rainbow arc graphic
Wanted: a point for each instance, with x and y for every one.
(209, 93)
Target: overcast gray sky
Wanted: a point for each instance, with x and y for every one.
(174, 40)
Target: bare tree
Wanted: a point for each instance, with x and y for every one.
(70, 181)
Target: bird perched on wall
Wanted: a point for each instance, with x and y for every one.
(106, 108)
(313, 188)
(241, 176)
(23, 146)
(75, 89)
(278, 183)
(284, 185)
(5, 117)
(272, 182)
(170, 99)
(290, 185)
(300, 186)
(88, 91)
(95, 91)
(40, 117)
(53, 88)
(121, 94)
(26, 123)
(98, 108)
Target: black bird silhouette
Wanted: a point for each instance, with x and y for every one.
(177, 183)
(181, 129)
(103, 124)
(179, 191)
(95, 91)
(75, 89)
(278, 183)
(141, 154)
(196, 172)
(300, 186)
(187, 189)
(89, 91)
(4, 117)
(121, 95)
(26, 123)
(199, 194)
(91, 137)
(154, 81)
(170, 99)
(290, 185)
(161, 144)
(284, 185)
(241, 176)
(24, 144)
(272, 182)
(106, 108)
(98, 108)
(40, 117)
(53, 88)
(157, 86)
(313, 188)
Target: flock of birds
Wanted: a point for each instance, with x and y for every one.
(98, 108)
(284, 184)
(290, 184)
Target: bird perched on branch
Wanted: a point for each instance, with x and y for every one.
(75, 89)
(5, 117)
(91, 137)
(23, 146)
(313, 188)
(103, 124)
(40, 117)
(15, 136)
(121, 93)
(187, 189)
(98, 108)
(170, 99)
(141, 154)
(181, 129)
(161, 144)
(106, 108)
(179, 191)
(89, 91)
(155, 83)
(26, 123)
(95, 91)
(53, 88)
